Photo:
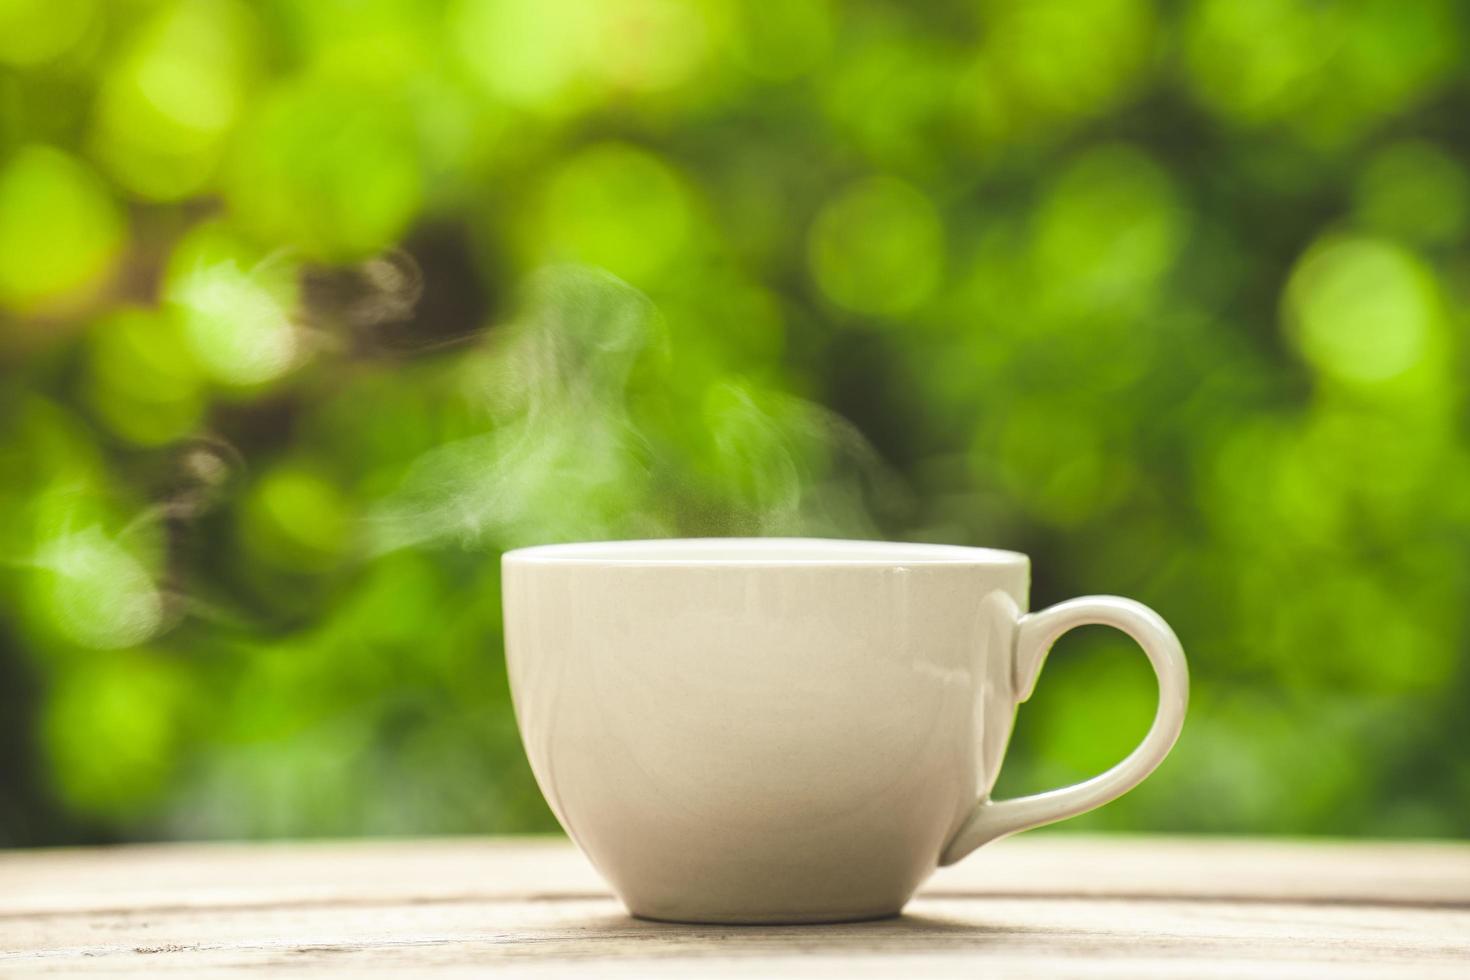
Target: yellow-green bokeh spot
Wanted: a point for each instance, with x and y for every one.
(877, 247)
(555, 56)
(235, 306)
(393, 36)
(167, 105)
(295, 518)
(239, 330)
(1389, 56)
(110, 728)
(95, 591)
(1362, 310)
(888, 96)
(1328, 70)
(523, 52)
(781, 41)
(650, 45)
(53, 465)
(1108, 229)
(142, 381)
(1414, 191)
(60, 231)
(33, 32)
(1072, 58)
(1248, 59)
(330, 167)
(617, 207)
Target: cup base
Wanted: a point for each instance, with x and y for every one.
(694, 918)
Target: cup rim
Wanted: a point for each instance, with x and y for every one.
(773, 552)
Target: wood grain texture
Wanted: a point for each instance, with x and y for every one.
(1039, 906)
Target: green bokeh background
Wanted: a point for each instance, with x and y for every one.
(308, 310)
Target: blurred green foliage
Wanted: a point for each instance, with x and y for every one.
(310, 309)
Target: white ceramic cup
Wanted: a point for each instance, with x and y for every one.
(792, 730)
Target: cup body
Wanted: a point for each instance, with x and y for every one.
(763, 730)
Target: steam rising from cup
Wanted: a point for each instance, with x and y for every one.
(585, 421)
(586, 436)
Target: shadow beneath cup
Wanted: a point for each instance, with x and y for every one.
(621, 936)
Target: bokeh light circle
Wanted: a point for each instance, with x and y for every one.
(60, 231)
(877, 247)
(619, 207)
(167, 106)
(330, 167)
(33, 32)
(1363, 310)
(1415, 191)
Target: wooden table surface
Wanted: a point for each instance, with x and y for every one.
(1035, 906)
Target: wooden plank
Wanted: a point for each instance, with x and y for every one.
(1038, 906)
(223, 875)
(1050, 937)
(449, 868)
(1251, 869)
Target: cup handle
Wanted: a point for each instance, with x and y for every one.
(1034, 636)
